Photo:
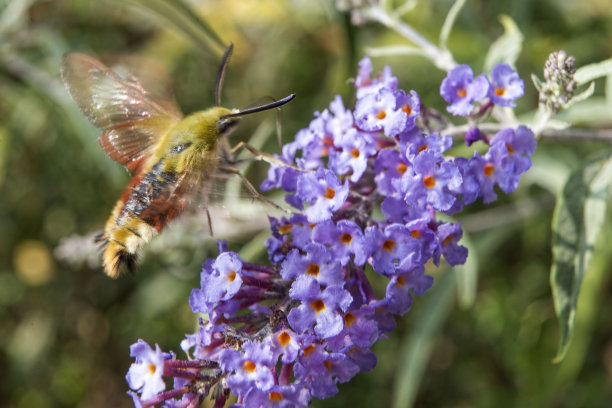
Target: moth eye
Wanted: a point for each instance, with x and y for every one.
(226, 125)
(180, 147)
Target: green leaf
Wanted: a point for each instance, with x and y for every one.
(449, 22)
(416, 350)
(594, 112)
(507, 47)
(393, 50)
(609, 90)
(582, 96)
(536, 82)
(467, 275)
(577, 221)
(184, 19)
(593, 71)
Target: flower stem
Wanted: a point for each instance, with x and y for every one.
(441, 58)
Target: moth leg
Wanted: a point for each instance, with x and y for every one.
(227, 156)
(259, 155)
(252, 190)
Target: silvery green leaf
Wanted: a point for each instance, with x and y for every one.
(394, 50)
(581, 96)
(449, 22)
(507, 47)
(593, 71)
(577, 222)
(417, 347)
(179, 14)
(407, 7)
(595, 112)
(609, 90)
(467, 275)
(536, 82)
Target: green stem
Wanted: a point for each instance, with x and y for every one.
(442, 59)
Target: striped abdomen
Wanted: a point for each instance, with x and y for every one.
(149, 202)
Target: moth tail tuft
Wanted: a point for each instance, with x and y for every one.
(116, 259)
(124, 261)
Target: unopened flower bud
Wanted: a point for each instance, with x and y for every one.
(559, 85)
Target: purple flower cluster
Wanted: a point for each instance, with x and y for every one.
(461, 90)
(281, 334)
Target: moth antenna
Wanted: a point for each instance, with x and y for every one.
(221, 73)
(256, 109)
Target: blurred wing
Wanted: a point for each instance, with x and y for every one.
(132, 103)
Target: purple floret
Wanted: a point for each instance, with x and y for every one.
(506, 85)
(461, 90)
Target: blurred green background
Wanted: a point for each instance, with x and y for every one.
(65, 328)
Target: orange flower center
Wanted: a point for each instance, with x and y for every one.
(330, 193)
(510, 148)
(349, 318)
(355, 153)
(275, 396)
(283, 339)
(249, 366)
(285, 229)
(401, 168)
(500, 91)
(415, 234)
(429, 181)
(328, 143)
(309, 350)
(231, 276)
(381, 115)
(388, 245)
(346, 238)
(407, 109)
(489, 169)
(461, 93)
(318, 305)
(313, 269)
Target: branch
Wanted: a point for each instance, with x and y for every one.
(577, 135)
(547, 135)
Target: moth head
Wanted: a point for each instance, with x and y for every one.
(227, 122)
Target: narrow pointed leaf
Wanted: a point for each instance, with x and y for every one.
(467, 275)
(449, 22)
(185, 20)
(417, 348)
(536, 82)
(593, 71)
(394, 50)
(577, 221)
(507, 47)
(584, 95)
(609, 90)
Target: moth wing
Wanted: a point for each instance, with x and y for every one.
(132, 102)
